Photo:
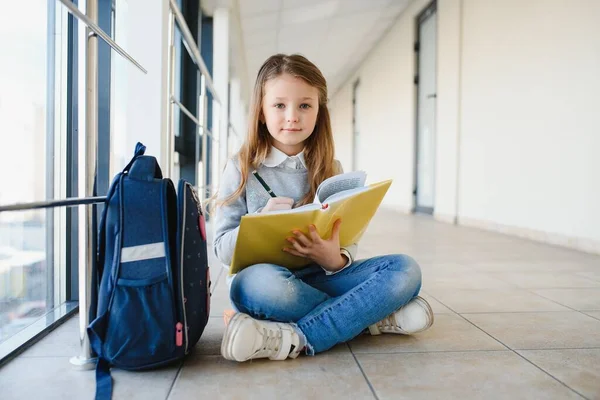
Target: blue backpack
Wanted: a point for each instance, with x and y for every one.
(151, 290)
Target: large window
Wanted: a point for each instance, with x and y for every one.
(192, 133)
(42, 89)
(42, 123)
(32, 115)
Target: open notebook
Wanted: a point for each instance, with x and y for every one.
(262, 236)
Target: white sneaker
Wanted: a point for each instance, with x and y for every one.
(413, 317)
(246, 338)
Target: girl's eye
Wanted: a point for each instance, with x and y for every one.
(279, 105)
(305, 106)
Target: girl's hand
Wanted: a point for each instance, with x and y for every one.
(326, 253)
(278, 203)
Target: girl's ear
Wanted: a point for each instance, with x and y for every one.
(261, 118)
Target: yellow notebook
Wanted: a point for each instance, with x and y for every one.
(262, 237)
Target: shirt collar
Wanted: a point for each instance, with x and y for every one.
(277, 157)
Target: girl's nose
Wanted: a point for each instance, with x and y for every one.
(292, 116)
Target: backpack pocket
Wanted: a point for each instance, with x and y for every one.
(141, 326)
(193, 271)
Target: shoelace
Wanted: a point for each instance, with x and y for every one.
(388, 322)
(270, 344)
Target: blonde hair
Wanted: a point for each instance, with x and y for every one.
(318, 147)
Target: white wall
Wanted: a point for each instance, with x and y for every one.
(517, 114)
(340, 110)
(530, 122)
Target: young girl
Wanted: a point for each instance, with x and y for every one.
(281, 312)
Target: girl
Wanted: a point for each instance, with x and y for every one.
(280, 312)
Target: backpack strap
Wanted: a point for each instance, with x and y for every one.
(102, 230)
(142, 167)
(103, 377)
(140, 149)
(103, 380)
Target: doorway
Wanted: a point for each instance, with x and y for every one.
(355, 129)
(426, 57)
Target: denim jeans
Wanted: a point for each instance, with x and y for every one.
(328, 309)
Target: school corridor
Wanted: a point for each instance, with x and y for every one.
(483, 113)
(514, 319)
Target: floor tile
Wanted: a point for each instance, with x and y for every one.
(52, 378)
(61, 342)
(535, 266)
(578, 299)
(576, 368)
(593, 314)
(444, 266)
(461, 375)
(449, 332)
(493, 300)
(436, 306)
(544, 280)
(433, 281)
(325, 376)
(594, 275)
(210, 341)
(543, 330)
(219, 300)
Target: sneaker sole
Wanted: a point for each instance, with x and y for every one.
(230, 332)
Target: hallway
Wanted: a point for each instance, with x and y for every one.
(514, 319)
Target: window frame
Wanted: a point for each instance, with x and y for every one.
(64, 75)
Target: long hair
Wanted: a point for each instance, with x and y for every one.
(318, 147)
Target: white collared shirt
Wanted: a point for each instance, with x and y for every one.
(277, 158)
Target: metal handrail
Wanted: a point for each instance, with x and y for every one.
(98, 31)
(70, 202)
(210, 135)
(185, 111)
(189, 114)
(188, 40)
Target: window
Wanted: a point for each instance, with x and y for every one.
(41, 89)
(32, 165)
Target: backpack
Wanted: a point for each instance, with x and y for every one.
(151, 282)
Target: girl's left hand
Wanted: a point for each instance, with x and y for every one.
(326, 253)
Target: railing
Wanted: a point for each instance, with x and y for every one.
(87, 156)
(203, 134)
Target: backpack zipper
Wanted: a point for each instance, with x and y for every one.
(185, 325)
(196, 199)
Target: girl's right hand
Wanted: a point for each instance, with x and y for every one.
(278, 203)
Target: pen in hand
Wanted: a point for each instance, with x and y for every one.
(264, 184)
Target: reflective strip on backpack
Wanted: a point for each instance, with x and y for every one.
(143, 252)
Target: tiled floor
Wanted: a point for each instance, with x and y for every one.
(514, 319)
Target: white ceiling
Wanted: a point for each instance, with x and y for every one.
(334, 34)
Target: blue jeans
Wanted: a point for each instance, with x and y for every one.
(328, 309)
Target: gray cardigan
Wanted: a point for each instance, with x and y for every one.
(284, 181)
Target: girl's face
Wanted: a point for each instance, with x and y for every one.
(289, 108)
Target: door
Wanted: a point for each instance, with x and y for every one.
(355, 130)
(426, 49)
